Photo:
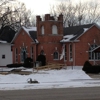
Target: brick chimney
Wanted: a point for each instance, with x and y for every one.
(60, 18)
(38, 19)
(47, 17)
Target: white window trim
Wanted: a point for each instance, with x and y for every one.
(65, 56)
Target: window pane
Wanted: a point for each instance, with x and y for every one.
(42, 30)
(92, 55)
(54, 29)
(70, 52)
(23, 54)
(55, 55)
(65, 53)
(3, 56)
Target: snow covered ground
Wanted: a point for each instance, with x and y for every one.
(63, 78)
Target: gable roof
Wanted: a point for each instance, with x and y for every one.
(31, 31)
(73, 33)
(7, 34)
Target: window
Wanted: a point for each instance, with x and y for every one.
(65, 52)
(70, 52)
(55, 55)
(42, 30)
(3, 56)
(11, 48)
(16, 55)
(92, 55)
(23, 54)
(32, 52)
(54, 29)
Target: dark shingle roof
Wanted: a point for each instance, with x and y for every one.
(33, 35)
(7, 34)
(32, 32)
(76, 31)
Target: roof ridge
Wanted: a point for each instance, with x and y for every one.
(81, 25)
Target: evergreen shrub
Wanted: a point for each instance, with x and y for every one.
(88, 68)
(14, 65)
(42, 59)
(28, 63)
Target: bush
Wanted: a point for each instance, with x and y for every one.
(42, 59)
(95, 69)
(88, 68)
(28, 63)
(14, 65)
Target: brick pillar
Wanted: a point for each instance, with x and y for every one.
(60, 18)
(47, 17)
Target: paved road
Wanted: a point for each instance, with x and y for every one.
(53, 94)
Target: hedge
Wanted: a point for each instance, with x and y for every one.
(88, 68)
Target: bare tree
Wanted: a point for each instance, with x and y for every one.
(15, 15)
(5, 2)
(92, 13)
(70, 13)
(76, 14)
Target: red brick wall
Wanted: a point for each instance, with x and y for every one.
(23, 41)
(49, 42)
(82, 47)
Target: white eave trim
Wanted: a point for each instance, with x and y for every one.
(95, 49)
(70, 41)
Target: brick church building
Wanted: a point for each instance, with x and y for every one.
(71, 45)
(31, 42)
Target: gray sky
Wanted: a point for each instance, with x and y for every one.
(42, 6)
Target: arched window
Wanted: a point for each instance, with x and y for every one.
(42, 30)
(54, 29)
(32, 52)
(55, 55)
(23, 54)
(16, 55)
(92, 55)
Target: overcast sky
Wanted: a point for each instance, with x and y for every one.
(43, 6)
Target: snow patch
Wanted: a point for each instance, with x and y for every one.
(85, 29)
(47, 79)
(3, 41)
(30, 29)
(67, 38)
